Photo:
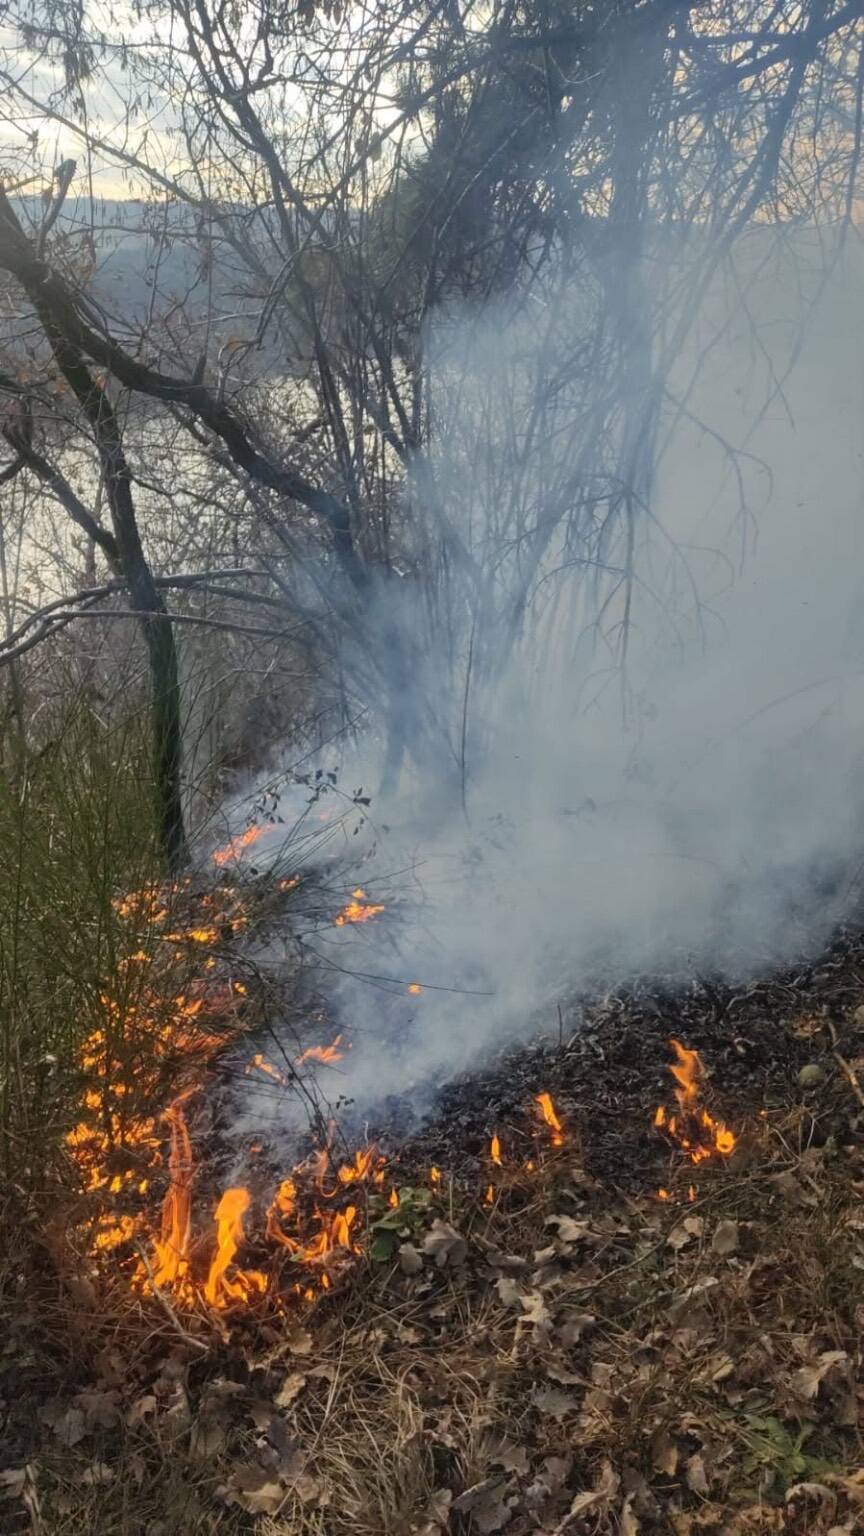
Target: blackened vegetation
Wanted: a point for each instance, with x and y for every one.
(612, 1069)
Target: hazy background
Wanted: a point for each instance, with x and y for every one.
(701, 812)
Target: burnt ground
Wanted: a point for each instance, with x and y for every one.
(541, 1347)
(606, 1063)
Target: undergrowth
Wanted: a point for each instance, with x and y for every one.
(75, 828)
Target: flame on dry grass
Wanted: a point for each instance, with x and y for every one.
(233, 849)
(325, 1053)
(547, 1110)
(358, 909)
(172, 1246)
(693, 1129)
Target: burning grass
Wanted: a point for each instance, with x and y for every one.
(575, 1355)
(613, 1289)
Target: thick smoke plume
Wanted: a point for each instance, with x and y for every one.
(689, 801)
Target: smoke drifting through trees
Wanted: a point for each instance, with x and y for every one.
(436, 535)
(698, 809)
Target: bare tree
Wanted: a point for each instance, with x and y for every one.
(332, 189)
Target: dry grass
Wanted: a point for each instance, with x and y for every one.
(592, 1363)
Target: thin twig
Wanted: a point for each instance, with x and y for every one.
(167, 1308)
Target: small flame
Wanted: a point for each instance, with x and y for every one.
(323, 1052)
(233, 849)
(489, 1197)
(434, 1175)
(260, 1062)
(688, 1073)
(495, 1151)
(695, 1130)
(219, 1289)
(360, 1169)
(172, 1245)
(358, 909)
(414, 988)
(547, 1110)
(393, 1200)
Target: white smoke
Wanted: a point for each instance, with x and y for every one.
(676, 815)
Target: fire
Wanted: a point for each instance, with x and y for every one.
(233, 849)
(219, 1289)
(358, 909)
(147, 1037)
(434, 1175)
(325, 1053)
(547, 1110)
(694, 1130)
(414, 988)
(361, 1168)
(261, 1063)
(172, 1246)
(495, 1150)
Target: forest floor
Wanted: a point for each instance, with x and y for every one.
(581, 1331)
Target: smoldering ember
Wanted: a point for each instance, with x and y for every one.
(432, 733)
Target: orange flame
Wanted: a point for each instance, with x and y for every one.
(434, 1175)
(414, 988)
(219, 1290)
(495, 1150)
(172, 1246)
(233, 849)
(358, 909)
(547, 1110)
(263, 1065)
(360, 1169)
(695, 1130)
(323, 1052)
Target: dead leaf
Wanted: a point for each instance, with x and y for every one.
(810, 1491)
(408, 1335)
(664, 1453)
(513, 1458)
(603, 1492)
(725, 1239)
(299, 1341)
(445, 1245)
(13, 1481)
(139, 1410)
(807, 1380)
(255, 1490)
(100, 1409)
(555, 1403)
(684, 1232)
(573, 1325)
(535, 1309)
(70, 1427)
(695, 1475)
(629, 1525)
(290, 1390)
(509, 1290)
(486, 1504)
(410, 1261)
(97, 1475)
(438, 1508)
(308, 1489)
(207, 1438)
(569, 1230)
